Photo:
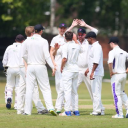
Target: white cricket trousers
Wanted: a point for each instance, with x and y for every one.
(22, 92)
(86, 80)
(69, 80)
(13, 76)
(58, 76)
(60, 96)
(96, 85)
(37, 73)
(118, 84)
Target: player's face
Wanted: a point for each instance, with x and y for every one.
(89, 40)
(111, 45)
(81, 37)
(62, 30)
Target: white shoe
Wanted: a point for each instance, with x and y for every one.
(102, 113)
(117, 116)
(62, 114)
(15, 108)
(72, 113)
(20, 112)
(95, 113)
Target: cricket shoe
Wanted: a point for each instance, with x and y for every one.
(117, 116)
(58, 112)
(25, 114)
(20, 112)
(53, 112)
(102, 113)
(76, 113)
(72, 113)
(66, 113)
(95, 113)
(15, 108)
(45, 111)
(9, 101)
(126, 115)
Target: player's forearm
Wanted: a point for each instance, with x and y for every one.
(52, 57)
(110, 67)
(25, 64)
(94, 67)
(92, 28)
(64, 60)
(54, 52)
(70, 28)
(50, 63)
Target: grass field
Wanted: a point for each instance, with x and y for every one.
(9, 118)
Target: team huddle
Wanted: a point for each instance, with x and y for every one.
(73, 58)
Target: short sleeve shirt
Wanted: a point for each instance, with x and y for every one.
(96, 56)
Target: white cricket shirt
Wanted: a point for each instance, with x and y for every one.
(71, 52)
(118, 57)
(12, 55)
(36, 51)
(21, 64)
(96, 56)
(61, 41)
(83, 57)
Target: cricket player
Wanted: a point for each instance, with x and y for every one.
(117, 66)
(36, 51)
(69, 69)
(95, 72)
(11, 60)
(83, 57)
(29, 31)
(56, 58)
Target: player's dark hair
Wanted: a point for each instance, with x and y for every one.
(68, 35)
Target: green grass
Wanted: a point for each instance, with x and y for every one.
(9, 118)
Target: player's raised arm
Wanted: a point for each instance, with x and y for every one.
(83, 24)
(74, 23)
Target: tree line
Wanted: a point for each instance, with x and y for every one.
(110, 16)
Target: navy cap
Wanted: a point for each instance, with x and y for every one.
(91, 34)
(114, 40)
(62, 25)
(38, 27)
(19, 38)
(81, 30)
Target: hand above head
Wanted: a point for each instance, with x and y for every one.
(82, 23)
(75, 22)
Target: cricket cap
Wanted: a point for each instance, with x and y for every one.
(91, 34)
(62, 25)
(38, 28)
(81, 30)
(19, 38)
(114, 40)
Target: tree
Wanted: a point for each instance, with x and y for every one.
(17, 14)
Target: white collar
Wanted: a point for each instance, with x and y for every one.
(84, 42)
(95, 43)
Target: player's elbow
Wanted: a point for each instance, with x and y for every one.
(64, 59)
